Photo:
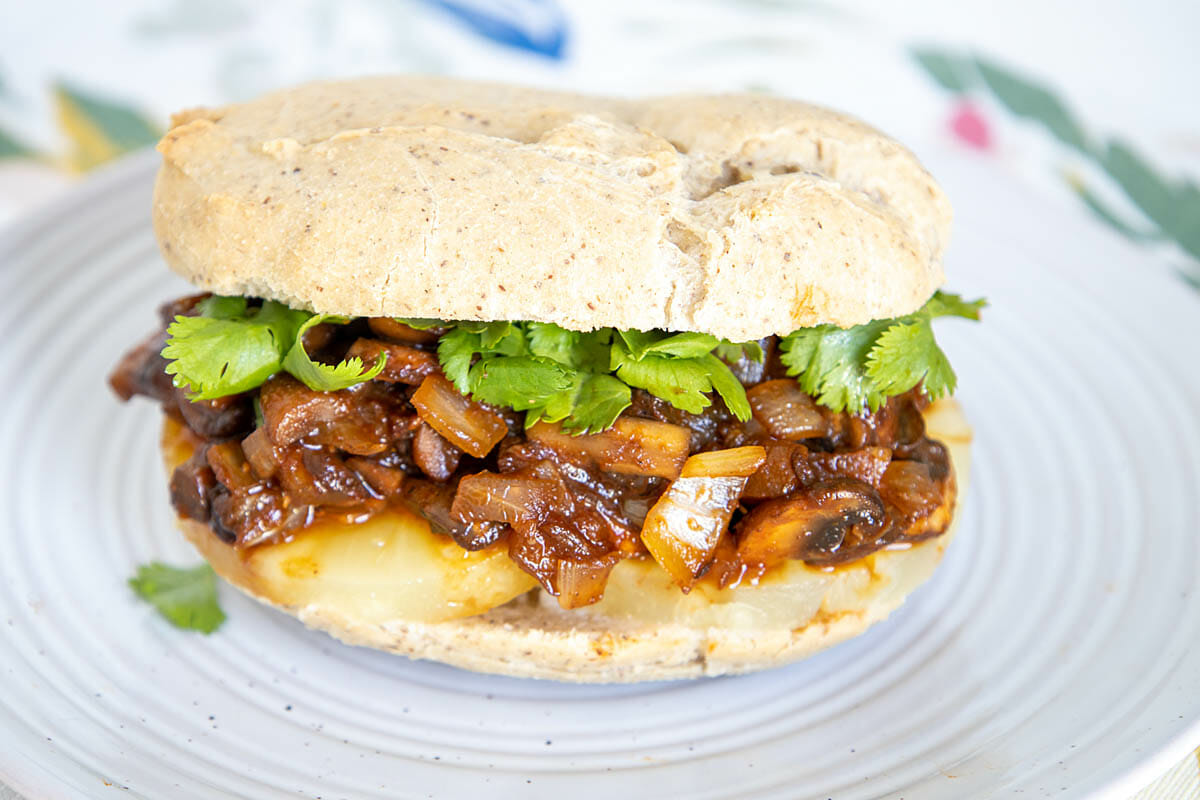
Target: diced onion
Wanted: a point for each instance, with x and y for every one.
(632, 446)
(471, 426)
(489, 497)
(582, 584)
(783, 408)
(736, 462)
(683, 528)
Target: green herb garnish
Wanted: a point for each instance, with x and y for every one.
(327, 377)
(186, 597)
(581, 380)
(231, 348)
(849, 369)
(557, 375)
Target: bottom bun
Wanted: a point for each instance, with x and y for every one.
(336, 580)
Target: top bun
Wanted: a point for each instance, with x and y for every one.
(736, 215)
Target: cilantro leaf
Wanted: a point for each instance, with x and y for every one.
(218, 356)
(684, 345)
(327, 377)
(219, 307)
(729, 387)
(829, 363)
(733, 352)
(855, 368)
(518, 382)
(944, 304)
(907, 354)
(637, 341)
(597, 404)
(421, 323)
(495, 332)
(682, 382)
(284, 322)
(456, 349)
(554, 342)
(232, 348)
(594, 351)
(186, 597)
(558, 406)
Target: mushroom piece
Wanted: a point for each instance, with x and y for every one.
(403, 364)
(813, 524)
(435, 456)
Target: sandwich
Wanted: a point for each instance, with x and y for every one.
(558, 386)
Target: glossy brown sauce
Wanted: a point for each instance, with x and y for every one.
(832, 487)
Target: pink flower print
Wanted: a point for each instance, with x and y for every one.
(969, 126)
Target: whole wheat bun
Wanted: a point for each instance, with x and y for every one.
(643, 629)
(736, 215)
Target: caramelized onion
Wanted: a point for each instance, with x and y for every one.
(473, 427)
(632, 446)
(581, 584)
(488, 497)
(683, 528)
(783, 408)
(736, 462)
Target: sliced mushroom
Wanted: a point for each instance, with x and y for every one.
(812, 525)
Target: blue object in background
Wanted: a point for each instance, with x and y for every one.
(538, 26)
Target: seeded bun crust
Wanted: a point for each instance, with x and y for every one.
(736, 215)
(644, 629)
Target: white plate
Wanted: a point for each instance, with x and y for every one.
(1053, 652)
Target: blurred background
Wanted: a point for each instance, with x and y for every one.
(1092, 104)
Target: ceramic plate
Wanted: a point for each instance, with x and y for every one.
(1054, 652)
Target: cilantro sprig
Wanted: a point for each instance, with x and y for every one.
(232, 348)
(584, 380)
(187, 598)
(327, 377)
(849, 369)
